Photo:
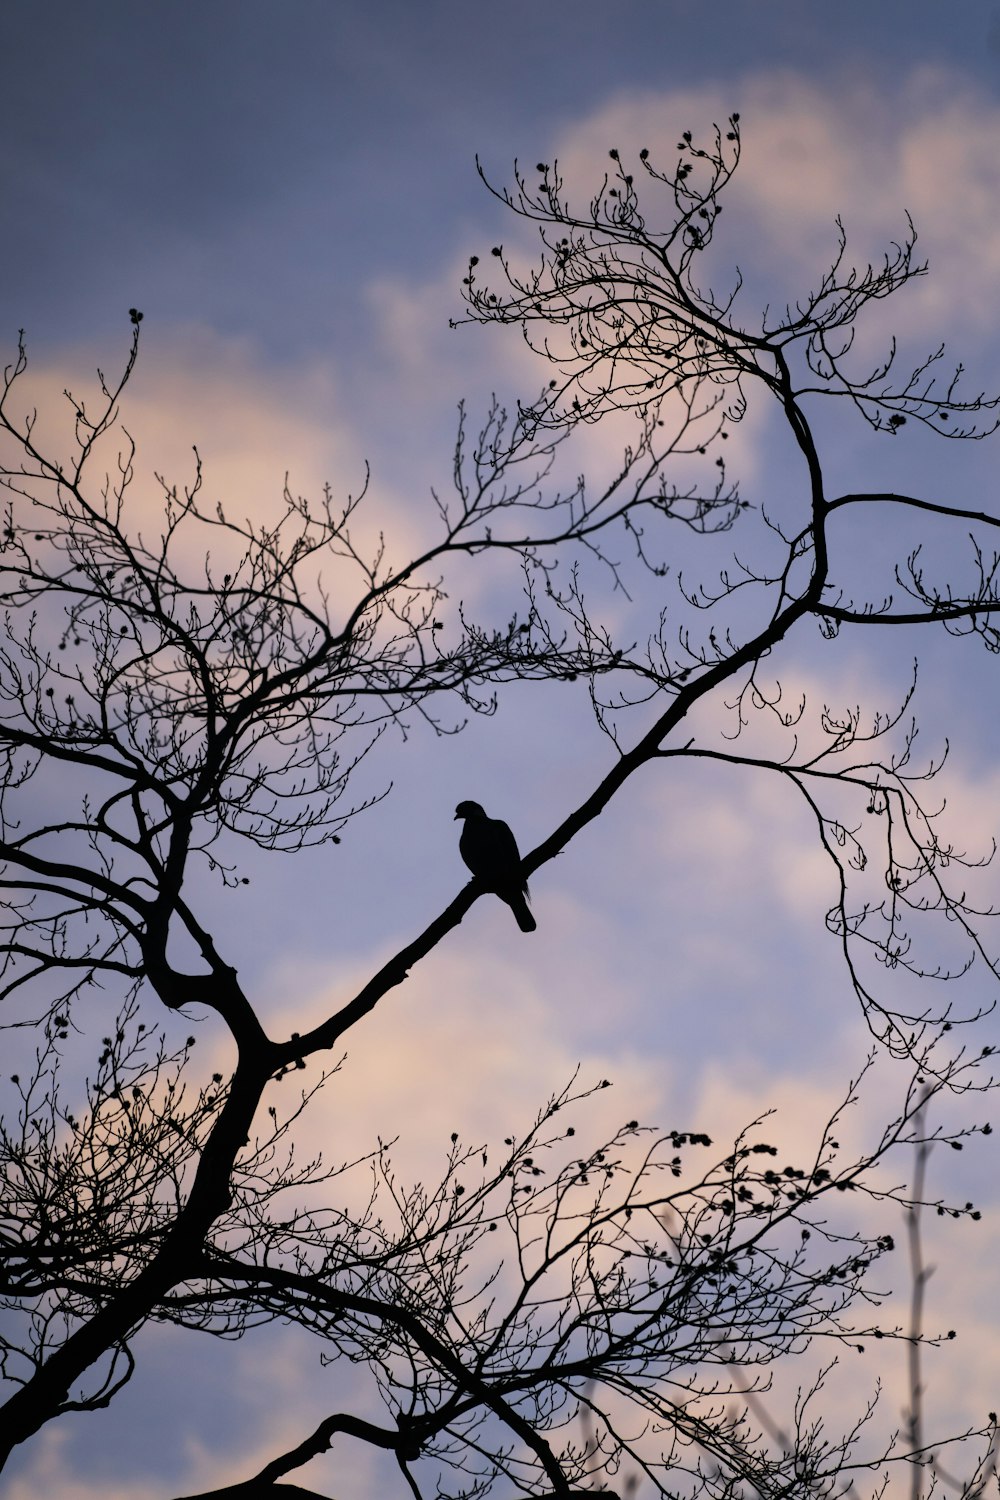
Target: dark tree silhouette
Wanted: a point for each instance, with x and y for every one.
(156, 712)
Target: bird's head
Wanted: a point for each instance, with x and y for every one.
(469, 810)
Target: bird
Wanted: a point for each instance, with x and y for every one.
(490, 851)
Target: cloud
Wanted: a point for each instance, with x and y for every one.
(930, 143)
(252, 425)
(812, 149)
(201, 1413)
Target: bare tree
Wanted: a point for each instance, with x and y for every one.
(155, 715)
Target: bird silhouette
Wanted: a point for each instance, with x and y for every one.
(490, 851)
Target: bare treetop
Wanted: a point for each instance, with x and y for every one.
(619, 304)
(548, 1315)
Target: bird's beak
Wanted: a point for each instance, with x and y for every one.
(455, 818)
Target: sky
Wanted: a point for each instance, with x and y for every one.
(289, 193)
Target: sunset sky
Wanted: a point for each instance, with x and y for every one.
(288, 191)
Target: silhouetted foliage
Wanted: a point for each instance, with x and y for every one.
(169, 691)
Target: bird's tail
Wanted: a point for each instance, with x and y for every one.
(522, 912)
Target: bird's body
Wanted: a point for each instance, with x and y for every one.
(490, 851)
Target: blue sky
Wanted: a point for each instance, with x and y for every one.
(289, 193)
